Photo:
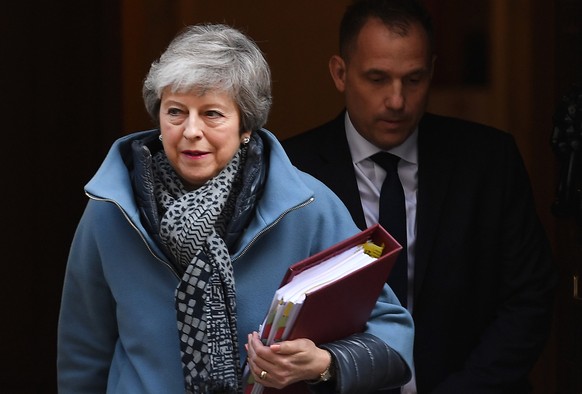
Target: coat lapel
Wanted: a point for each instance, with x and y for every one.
(338, 171)
(436, 159)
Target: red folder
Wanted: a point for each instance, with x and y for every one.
(341, 308)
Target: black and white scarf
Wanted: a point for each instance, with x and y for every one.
(191, 227)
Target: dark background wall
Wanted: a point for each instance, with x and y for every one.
(61, 108)
(71, 84)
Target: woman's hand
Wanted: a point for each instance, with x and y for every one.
(287, 362)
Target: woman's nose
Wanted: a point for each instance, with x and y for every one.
(194, 127)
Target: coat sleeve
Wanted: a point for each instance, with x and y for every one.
(511, 343)
(380, 357)
(364, 363)
(87, 325)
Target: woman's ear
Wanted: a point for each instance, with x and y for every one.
(245, 137)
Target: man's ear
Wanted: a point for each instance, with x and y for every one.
(432, 63)
(337, 69)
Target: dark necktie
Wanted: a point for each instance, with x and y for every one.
(393, 218)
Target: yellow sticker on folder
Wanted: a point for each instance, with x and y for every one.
(371, 249)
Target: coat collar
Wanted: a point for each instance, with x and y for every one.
(339, 172)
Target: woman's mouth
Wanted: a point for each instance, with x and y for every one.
(195, 154)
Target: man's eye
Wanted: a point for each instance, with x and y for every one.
(414, 79)
(377, 79)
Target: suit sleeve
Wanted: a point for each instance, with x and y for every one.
(512, 342)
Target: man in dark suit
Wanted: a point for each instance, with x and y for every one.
(480, 278)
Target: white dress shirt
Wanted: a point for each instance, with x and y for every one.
(370, 177)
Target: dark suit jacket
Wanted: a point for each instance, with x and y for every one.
(484, 281)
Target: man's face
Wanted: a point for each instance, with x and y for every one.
(385, 79)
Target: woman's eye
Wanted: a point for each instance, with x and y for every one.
(174, 111)
(213, 114)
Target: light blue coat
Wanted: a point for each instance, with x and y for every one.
(117, 326)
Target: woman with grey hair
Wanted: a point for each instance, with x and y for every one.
(188, 231)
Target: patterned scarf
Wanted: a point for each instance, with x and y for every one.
(192, 224)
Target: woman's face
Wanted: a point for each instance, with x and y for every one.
(200, 133)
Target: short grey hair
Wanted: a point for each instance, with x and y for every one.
(213, 57)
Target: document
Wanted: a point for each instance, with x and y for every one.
(328, 296)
